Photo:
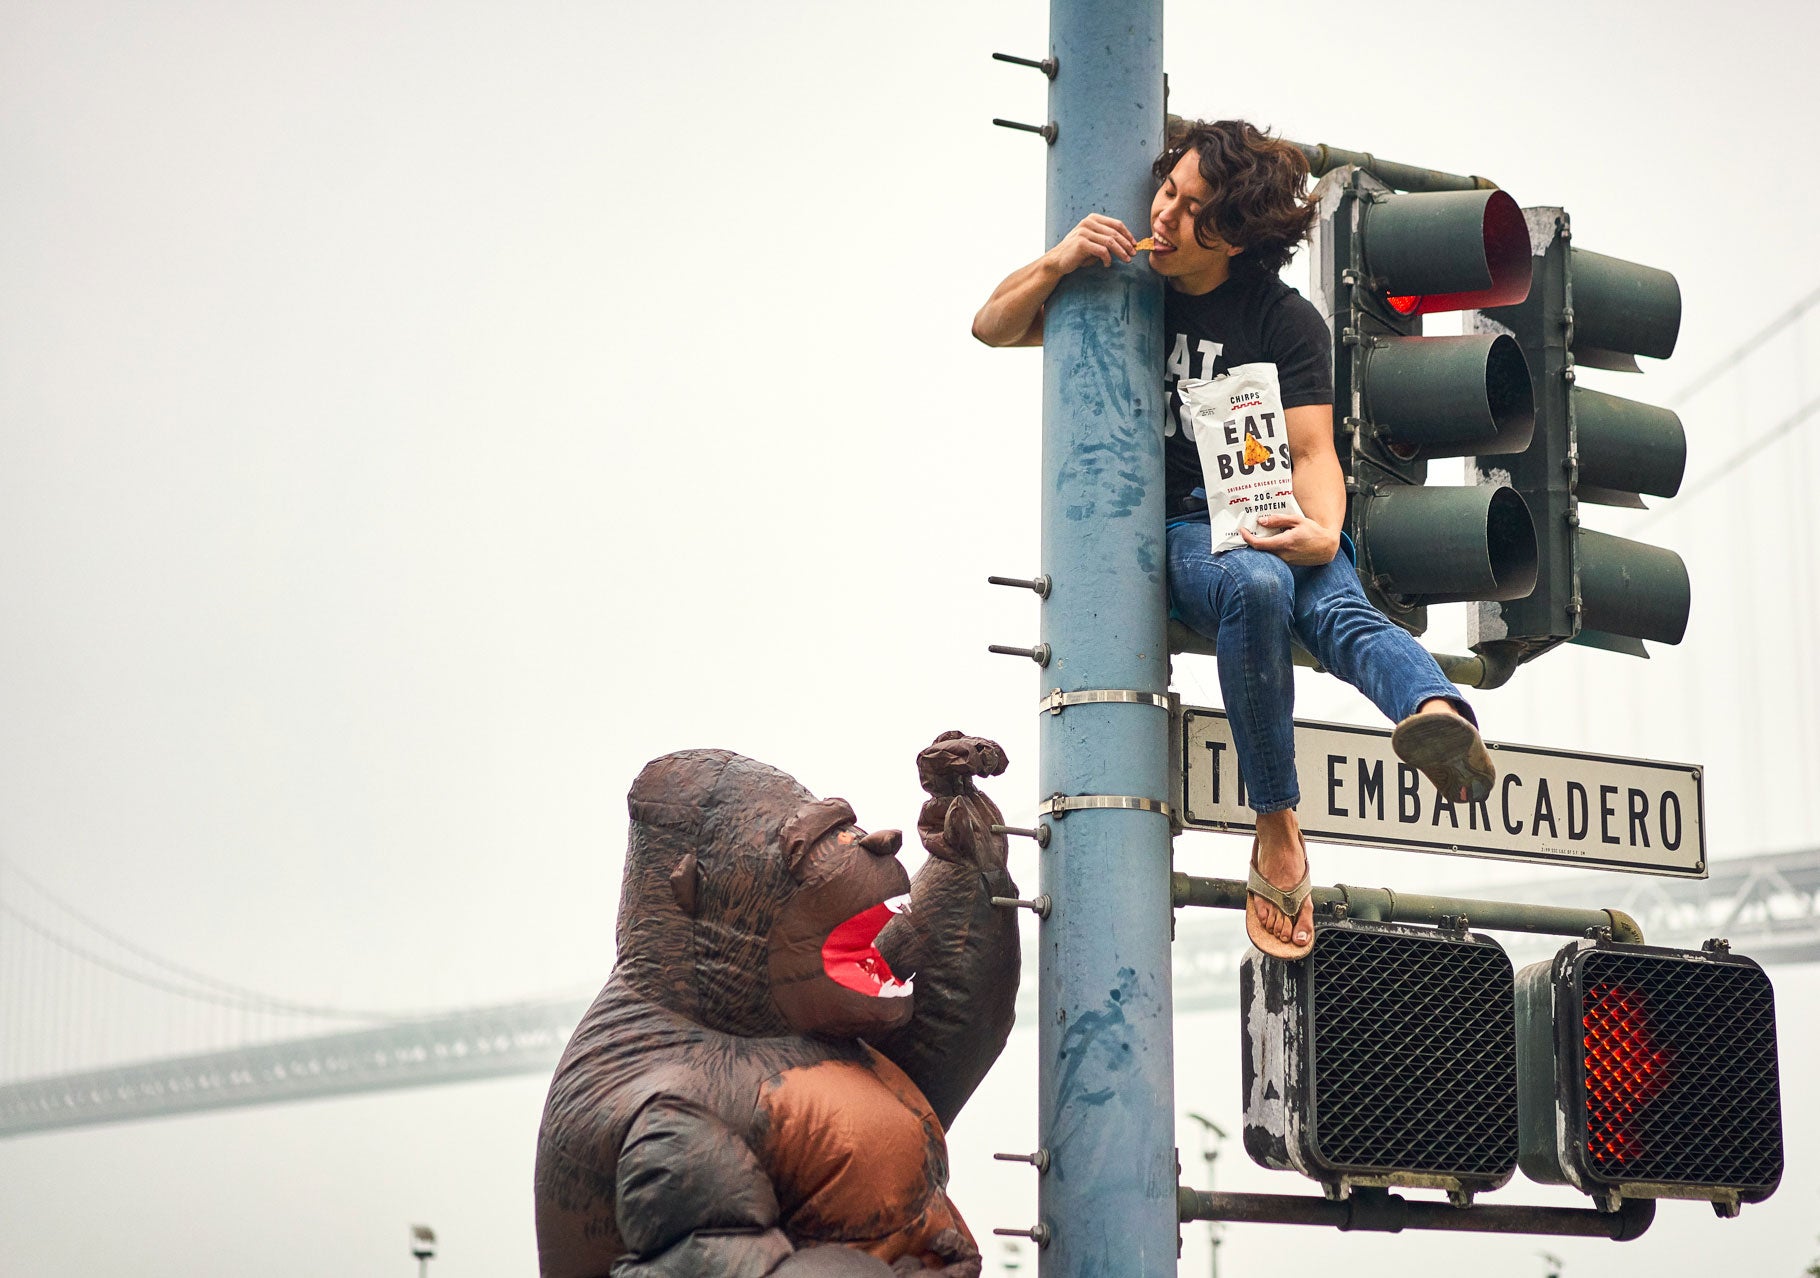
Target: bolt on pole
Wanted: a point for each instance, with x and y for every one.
(1106, 1072)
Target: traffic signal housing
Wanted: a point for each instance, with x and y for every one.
(1387, 1057)
(1385, 259)
(1650, 1073)
(1587, 310)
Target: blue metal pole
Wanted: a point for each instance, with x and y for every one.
(1106, 1078)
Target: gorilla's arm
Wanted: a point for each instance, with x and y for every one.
(963, 950)
(692, 1200)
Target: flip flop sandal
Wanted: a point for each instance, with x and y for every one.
(1290, 901)
(1448, 751)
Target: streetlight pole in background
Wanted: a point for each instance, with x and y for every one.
(1211, 1136)
(423, 1246)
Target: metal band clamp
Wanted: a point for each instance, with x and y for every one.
(1058, 805)
(1057, 700)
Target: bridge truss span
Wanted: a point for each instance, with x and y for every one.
(476, 1043)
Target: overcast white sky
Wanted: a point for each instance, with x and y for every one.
(414, 417)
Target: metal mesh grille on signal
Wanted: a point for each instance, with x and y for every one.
(1680, 1071)
(1415, 1054)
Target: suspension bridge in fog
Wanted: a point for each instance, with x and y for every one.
(262, 1051)
(98, 1027)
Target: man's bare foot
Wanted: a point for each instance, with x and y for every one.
(1283, 861)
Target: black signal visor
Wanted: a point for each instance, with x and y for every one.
(1447, 250)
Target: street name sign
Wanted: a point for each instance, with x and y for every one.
(1554, 807)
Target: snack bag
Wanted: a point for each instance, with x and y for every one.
(1237, 420)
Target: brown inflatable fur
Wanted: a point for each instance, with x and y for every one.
(756, 1092)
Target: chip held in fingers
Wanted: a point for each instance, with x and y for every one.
(1146, 244)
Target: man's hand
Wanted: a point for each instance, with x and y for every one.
(1296, 540)
(1097, 238)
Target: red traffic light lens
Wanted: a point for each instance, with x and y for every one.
(1625, 1071)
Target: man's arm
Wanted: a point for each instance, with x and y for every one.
(1013, 315)
(1320, 490)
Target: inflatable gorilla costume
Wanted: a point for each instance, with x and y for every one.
(756, 1092)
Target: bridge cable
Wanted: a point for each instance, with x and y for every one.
(214, 990)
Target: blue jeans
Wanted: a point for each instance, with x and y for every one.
(1249, 602)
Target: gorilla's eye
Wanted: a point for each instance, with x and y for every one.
(812, 823)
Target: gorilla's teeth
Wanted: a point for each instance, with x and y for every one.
(896, 989)
(899, 904)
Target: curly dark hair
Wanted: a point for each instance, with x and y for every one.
(1259, 183)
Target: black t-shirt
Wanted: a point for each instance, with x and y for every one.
(1252, 318)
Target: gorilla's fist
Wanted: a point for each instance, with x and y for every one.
(956, 821)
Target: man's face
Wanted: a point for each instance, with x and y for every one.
(1193, 267)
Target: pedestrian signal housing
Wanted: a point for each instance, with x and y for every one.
(1650, 1073)
(1387, 1057)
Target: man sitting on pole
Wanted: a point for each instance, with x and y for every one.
(1228, 215)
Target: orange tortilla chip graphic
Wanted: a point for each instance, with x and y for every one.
(1255, 452)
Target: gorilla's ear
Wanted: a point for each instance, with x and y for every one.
(684, 881)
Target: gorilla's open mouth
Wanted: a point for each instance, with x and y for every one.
(852, 960)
